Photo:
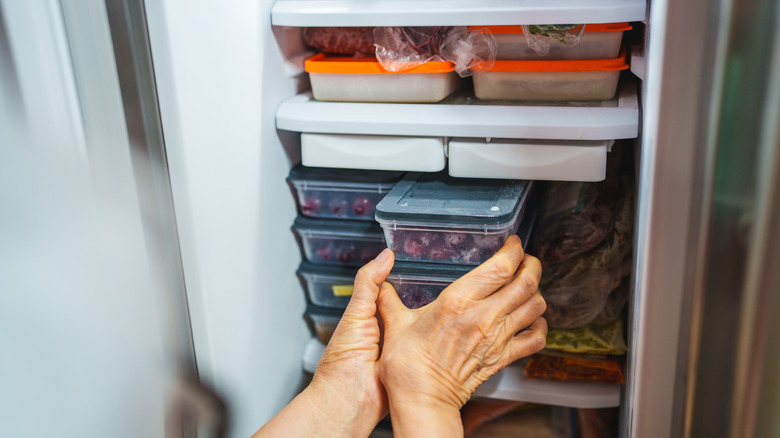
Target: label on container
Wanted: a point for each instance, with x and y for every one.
(342, 290)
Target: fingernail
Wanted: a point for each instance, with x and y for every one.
(382, 257)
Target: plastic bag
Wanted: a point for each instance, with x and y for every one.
(403, 48)
(539, 36)
(576, 216)
(602, 369)
(590, 339)
(341, 40)
(579, 303)
(614, 305)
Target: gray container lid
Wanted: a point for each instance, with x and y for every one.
(307, 267)
(438, 197)
(338, 226)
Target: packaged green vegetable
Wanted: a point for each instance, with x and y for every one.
(589, 339)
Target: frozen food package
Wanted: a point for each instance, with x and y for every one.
(576, 216)
(603, 369)
(539, 36)
(402, 48)
(576, 304)
(596, 423)
(614, 305)
(589, 339)
(341, 40)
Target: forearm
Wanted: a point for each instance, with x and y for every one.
(416, 420)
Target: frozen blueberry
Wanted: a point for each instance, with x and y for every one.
(362, 206)
(440, 253)
(472, 256)
(338, 205)
(311, 205)
(455, 240)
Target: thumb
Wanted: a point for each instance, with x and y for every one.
(389, 304)
(367, 282)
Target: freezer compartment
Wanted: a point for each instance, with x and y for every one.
(559, 160)
(327, 286)
(322, 322)
(599, 41)
(339, 193)
(339, 242)
(381, 152)
(567, 81)
(344, 79)
(439, 219)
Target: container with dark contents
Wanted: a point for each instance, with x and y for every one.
(340, 193)
(339, 242)
(439, 219)
(327, 286)
(322, 321)
(418, 284)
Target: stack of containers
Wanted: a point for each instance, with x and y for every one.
(586, 71)
(440, 227)
(337, 234)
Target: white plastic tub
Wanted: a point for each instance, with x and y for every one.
(568, 81)
(599, 41)
(364, 80)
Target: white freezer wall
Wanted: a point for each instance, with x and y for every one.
(220, 78)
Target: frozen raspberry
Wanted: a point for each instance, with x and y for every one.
(338, 205)
(413, 247)
(311, 206)
(345, 254)
(440, 253)
(455, 240)
(323, 252)
(362, 206)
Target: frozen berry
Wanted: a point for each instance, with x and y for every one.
(472, 256)
(345, 254)
(490, 241)
(427, 238)
(362, 206)
(338, 205)
(368, 253)
(323, 252)
(413, 247)
(311, 206)
(440, 253)
(454, 240)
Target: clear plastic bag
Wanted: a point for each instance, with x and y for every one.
(358, 41)
(613, 307)
(403, 48)
(539, 36)
(589, 339)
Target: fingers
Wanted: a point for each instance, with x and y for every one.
(367, 282)
(491, 275)
(522, 287)
(529, 341)
(525, 315)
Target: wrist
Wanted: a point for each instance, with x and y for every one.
(420, 417)
(341, 410)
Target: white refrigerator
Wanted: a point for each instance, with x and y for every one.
(201, 106)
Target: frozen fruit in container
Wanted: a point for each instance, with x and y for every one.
(441, 219)
(322, 321)
(340, 193)
(418, 284)
(327, 285)
(331, 241)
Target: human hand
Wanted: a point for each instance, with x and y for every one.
(433, 358)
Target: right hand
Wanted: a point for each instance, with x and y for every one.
(433, 358)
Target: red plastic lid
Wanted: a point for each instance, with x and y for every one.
(596, 27)
(618, 63)
(322, 63)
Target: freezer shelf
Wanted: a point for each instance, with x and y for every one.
(319, 13)
(462, 115)
(511, 384)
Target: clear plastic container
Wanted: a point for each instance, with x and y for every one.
(569, 81)
(417, 284)
(599, 41)
(440, 219)
(327, 286)
(340, 193)
(322, 321)
(343, 79)
(339, 242)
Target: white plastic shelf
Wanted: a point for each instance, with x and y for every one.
(462, 115)
(511, 384)
(321, 13)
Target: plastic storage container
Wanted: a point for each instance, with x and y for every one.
(437, 218)
(580, 80)
(340, 193)
(417, 284)
(599, 41)
(327, 286)
(322, 321)
(344, 79)
(381, 152)
(338, 242)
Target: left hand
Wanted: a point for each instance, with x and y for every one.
(347, 378)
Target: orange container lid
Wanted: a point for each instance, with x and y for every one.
(595, 27)
(322, 63)
(618, 63)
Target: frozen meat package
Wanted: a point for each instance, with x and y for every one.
(575, 367)
(433, 217)
(341, 40)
